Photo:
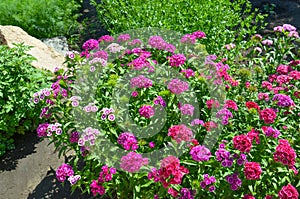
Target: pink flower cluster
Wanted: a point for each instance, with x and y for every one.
(146, 111)
(107, 113)
(230, 104)
(242, 143)
(208, 180)
(224, 114)
(200, 153)
(268, 115)
(128, 141)
(291, 30)
(140, 82)
(63, 171)
(123, 38)
(170, 172)
(288, 192)
(176, 60)
(159, 100)
(180, 133)
(46, 129)
(88, 135)
(177, 86)
(283, 69)
(285, 153)
(187, 109)
(188, 73)
(158, 43)
(188, 38)
(252, 170)
(199, 34)
(105, 175)
(74, 137)
(263, 96)
(90, 44)
(106, 38)
(133, 162)
(212, 103)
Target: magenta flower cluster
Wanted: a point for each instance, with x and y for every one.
(200, 153)
(63, 171)
(105, 175)
(146, 111)
(177, 86)
(187, 109)
(140, 82)
(128, 141)
(160, 44)
(176, 60)
(159, 101)
(224, 156)
(180, 133)
(224, 114)
(132, 162)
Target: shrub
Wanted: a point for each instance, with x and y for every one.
(18, 81)
(41, 18)
(223, 21)
(234, 118)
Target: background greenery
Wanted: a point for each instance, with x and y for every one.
(18, 81)
(41, 18)
(223, 21)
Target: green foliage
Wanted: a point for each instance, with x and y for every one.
(18, 81)
(223, 21)
(41, 18)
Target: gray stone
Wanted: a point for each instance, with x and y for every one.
(47, 57)
(60, 44)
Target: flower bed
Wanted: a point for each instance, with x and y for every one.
(149, 114)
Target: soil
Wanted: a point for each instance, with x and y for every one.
(28, 171)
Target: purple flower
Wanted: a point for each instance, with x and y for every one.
(283, 100)
(42, 130)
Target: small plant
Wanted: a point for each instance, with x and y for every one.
(18, 81)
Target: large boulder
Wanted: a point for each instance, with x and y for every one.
(47, 57)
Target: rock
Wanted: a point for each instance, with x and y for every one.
(60, 44)
(47, 57)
